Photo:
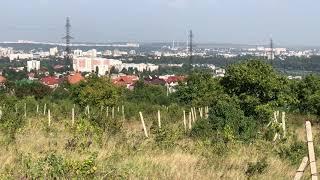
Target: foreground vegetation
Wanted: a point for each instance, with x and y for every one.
(235, 140)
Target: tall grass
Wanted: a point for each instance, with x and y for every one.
(90, 150)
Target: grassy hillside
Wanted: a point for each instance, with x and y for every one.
(121, 151)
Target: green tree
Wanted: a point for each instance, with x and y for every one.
(200, 89)
(25, 88)
(308, 91)
(227, 122)
(257, 85)
(97, 92)
(153, 94)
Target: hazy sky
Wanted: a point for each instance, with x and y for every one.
(290, 22)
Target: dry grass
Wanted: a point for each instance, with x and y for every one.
(131, 156)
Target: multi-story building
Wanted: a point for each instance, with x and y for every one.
(33, 65)
(20, 56)
(91, 53)
(103, 65)
(53, 51)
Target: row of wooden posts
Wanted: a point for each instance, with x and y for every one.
(310, 159)
(87, 112)
(203, 113)
(275, 122)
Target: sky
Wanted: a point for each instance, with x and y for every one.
(288, 22)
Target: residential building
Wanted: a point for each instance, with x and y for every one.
(75, 78)
(51, 81)
(33, 65)
(53, 51)
(103, 65)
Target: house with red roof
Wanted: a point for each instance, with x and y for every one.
(172, 81)
(126, 81)
(154, 80)
(2, 80)
(51, 81)
(75, 78)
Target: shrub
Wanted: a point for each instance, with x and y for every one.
(293, 152)
(229, 121)
(10, 122)
(166, 137)
(202, 129)
(96, 92)
(258, 167)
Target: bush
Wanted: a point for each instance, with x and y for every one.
(96, 92)
(166, 137)
(293, 152)
(202, 129)
(258, 167)
(229, 121)
(10, 122)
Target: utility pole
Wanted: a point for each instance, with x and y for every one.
(271, 51)
(68, 38)
(190, 46)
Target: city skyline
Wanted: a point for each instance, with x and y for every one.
(216, 21)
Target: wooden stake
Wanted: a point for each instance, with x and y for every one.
(118, 108)
(283, 118)
(207, 112)
(201, 112)
(195, 113)
(123, 116)
(275, 117)
(25, 110)
(113, 112)
(37, 108)
(312, 157)
(190, 121)
(184, 121)
(143, 124)
(1, 113)
(49, 117)
(302, 167)
(159, 119)
(72, 113)
(107, 111)
(88, 109)
(192, 114)
(45, 109)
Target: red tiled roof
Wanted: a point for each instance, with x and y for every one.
(125, 80)
(75, 78)
(154, 81)
(2, 79)
(174, 79)
(50, 80)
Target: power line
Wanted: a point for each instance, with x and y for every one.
(68, 37)
(190, 45)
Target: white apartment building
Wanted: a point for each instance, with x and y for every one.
(91, 53)
(33, 65)
(53, 51)
(86, 64)
(20, 56)
(140, 67)
(78, 53)
(5, 52)
(132, 52)
(107, 53)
